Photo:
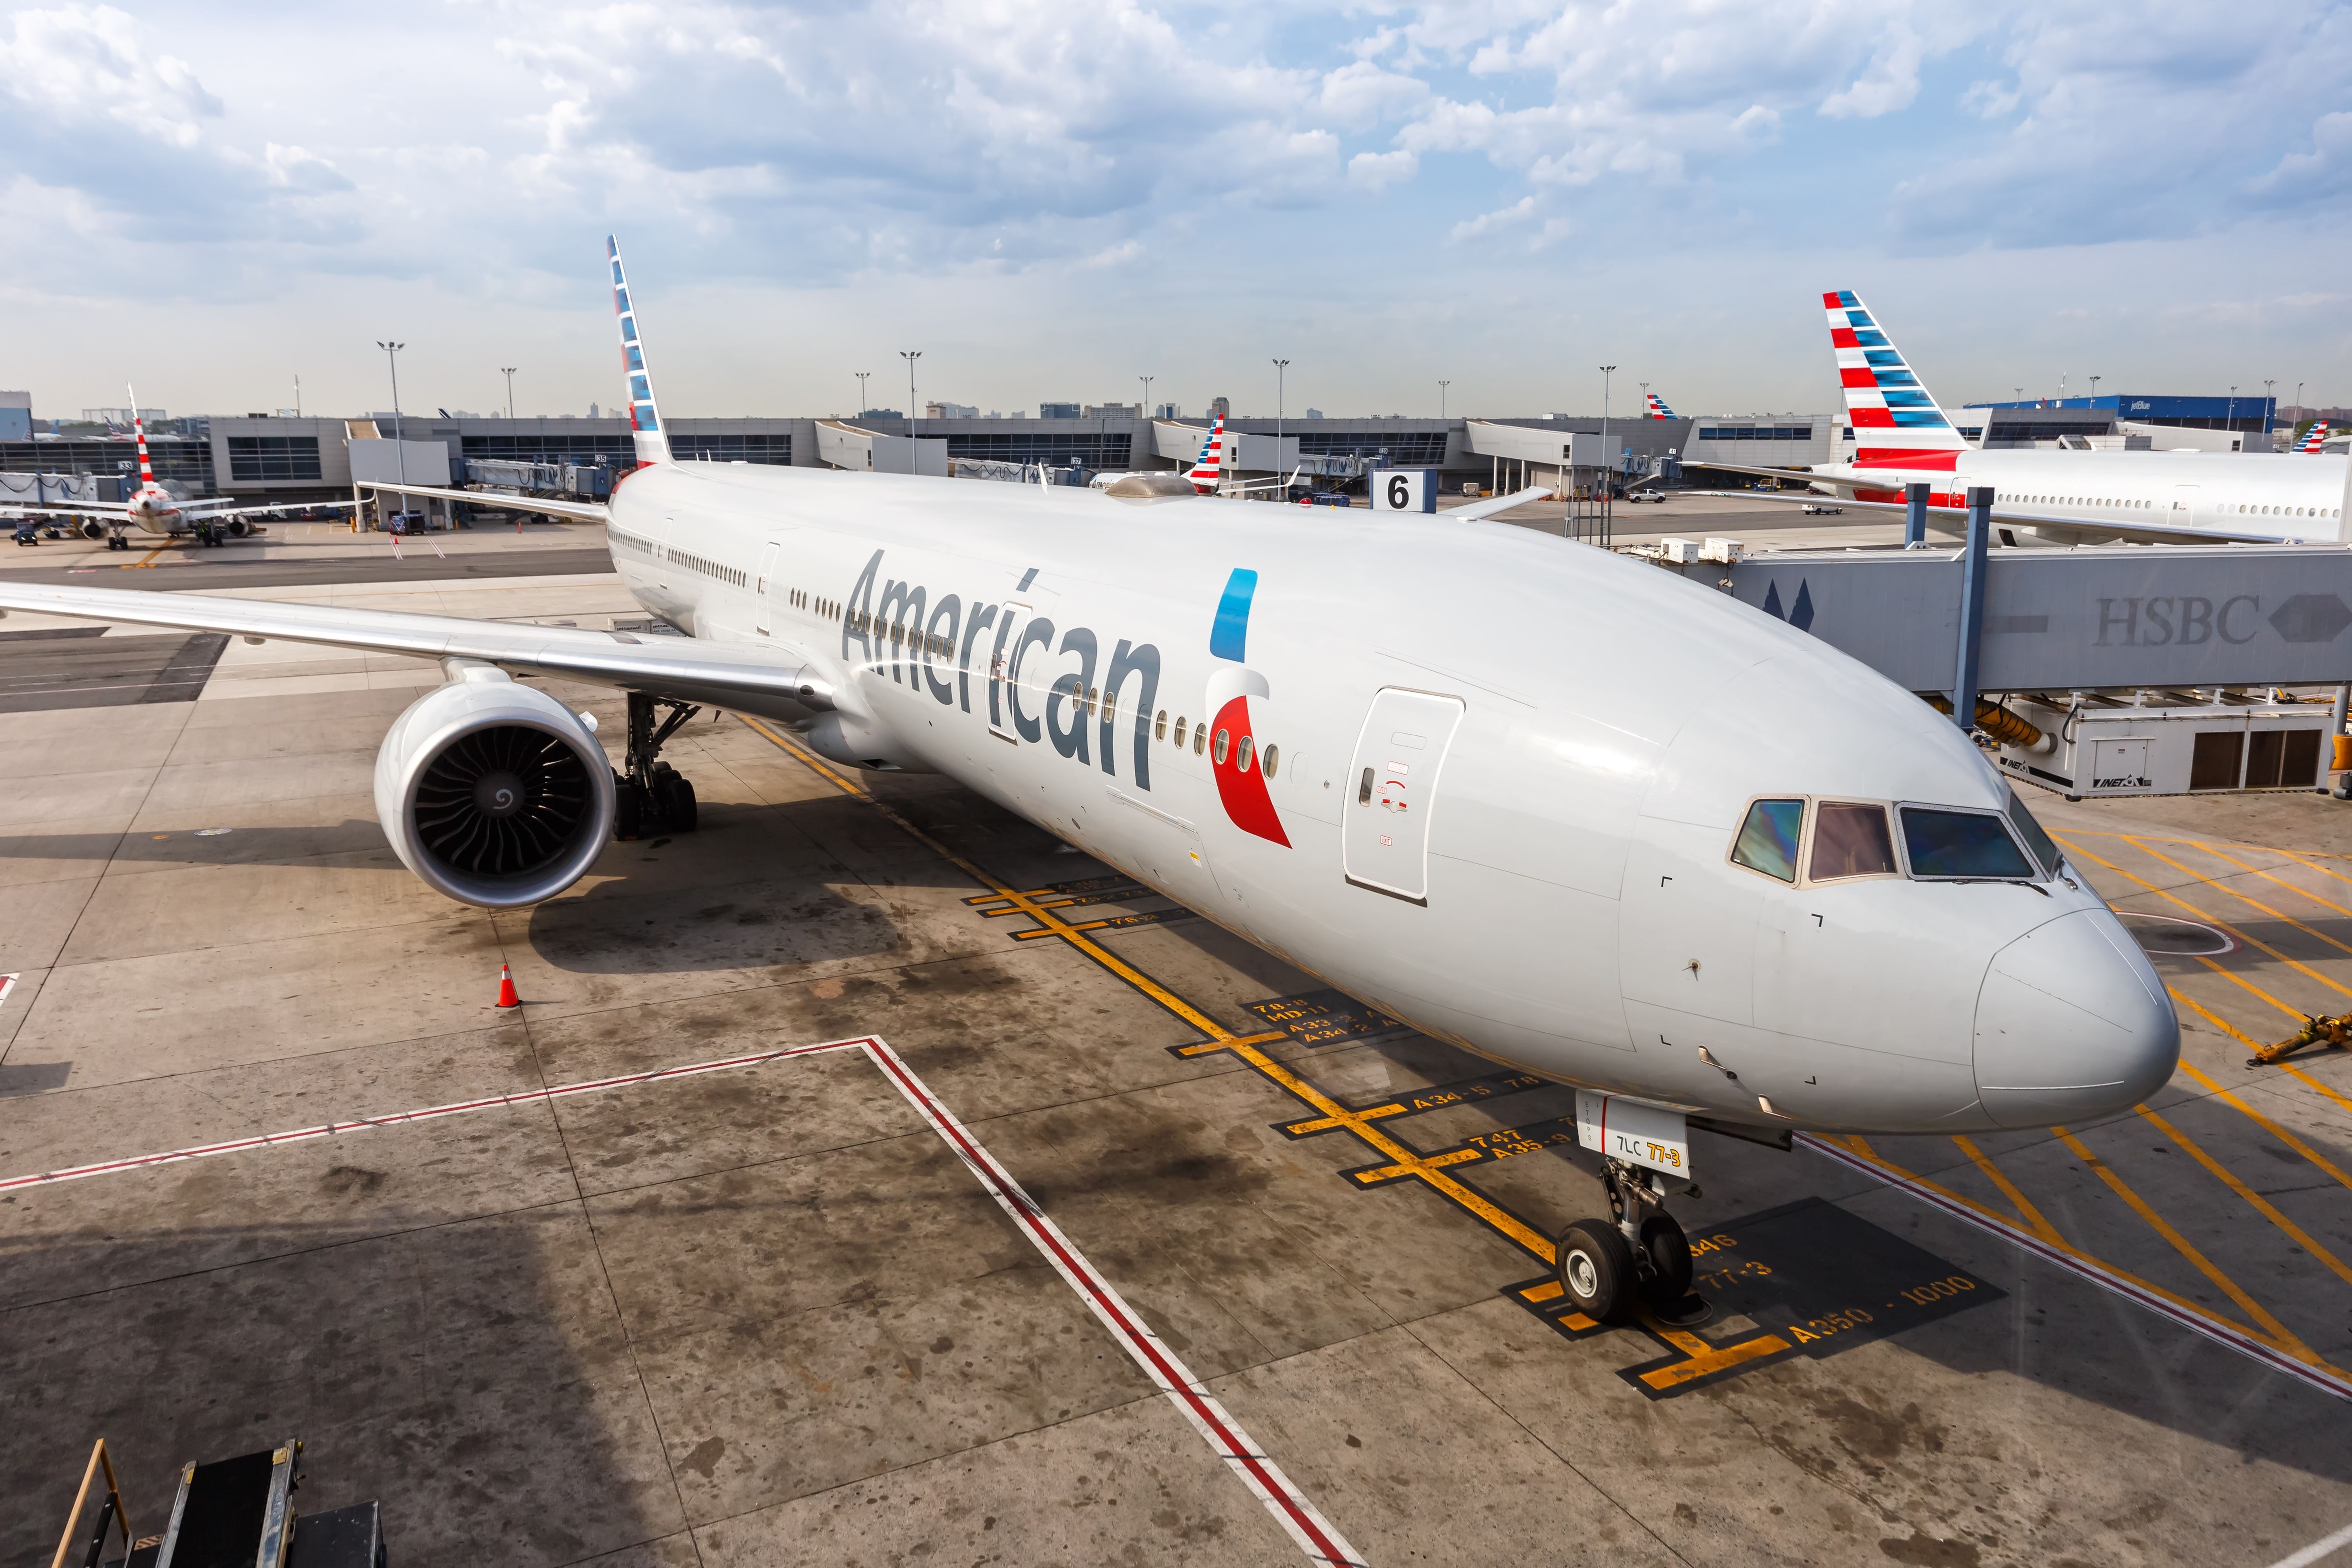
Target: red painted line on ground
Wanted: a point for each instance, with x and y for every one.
(7, 984)
(2219, 1333)
(1281, 1498)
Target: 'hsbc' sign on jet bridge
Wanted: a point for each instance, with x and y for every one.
(2104, 616)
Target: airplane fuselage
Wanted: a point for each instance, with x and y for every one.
(2284, 496)
(1485, 779)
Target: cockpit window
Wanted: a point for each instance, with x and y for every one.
(1850, 840)
(1768, 839)
(1960, 843)
(2032, 832)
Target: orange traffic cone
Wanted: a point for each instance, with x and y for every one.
(507, 997)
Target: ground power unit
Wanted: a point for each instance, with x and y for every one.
(2110, 746)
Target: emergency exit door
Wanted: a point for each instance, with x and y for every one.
(1392, 792)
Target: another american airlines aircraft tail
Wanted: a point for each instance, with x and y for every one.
(1210, 467)
(1897, 423)
(2314, 437)
(645, 418)
(1656, 407)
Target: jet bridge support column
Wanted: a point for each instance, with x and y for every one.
(1915, 516)
(2336, 745)
(1972, 592)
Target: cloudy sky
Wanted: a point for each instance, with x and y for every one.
(1051, 200)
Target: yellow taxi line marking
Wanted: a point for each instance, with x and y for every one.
(2201, 843)
(1860, 1146)
(2210, 919)
(2243, 898)
(2299, 857)
(2278, 1334)
(2243, 983)
(1709, 1359)
(2009, 1189)
(2298, 1072)
(1404, 1160)
(2261, 1205)
(2224, 1024)
(2272, 1127)
(148, 559)
(2267, 877)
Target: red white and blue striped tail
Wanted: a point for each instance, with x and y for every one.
(139, 428)
(645, 418)
(1656, 407)
(1210, 467)
(2314, 437)
(1895, 421)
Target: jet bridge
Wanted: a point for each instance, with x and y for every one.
(2130, 664)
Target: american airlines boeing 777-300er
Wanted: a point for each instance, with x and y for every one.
(1549, 804)
(1902, 438)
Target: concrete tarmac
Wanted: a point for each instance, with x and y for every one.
(767, 1315)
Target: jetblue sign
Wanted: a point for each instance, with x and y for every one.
(2106, 616)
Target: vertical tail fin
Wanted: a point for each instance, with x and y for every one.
(1210, 467)
(139, 428)
(1895, 420)
(645, 418)
(2314, 437)
(1657, 408)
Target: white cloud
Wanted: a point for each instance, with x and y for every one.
(1376, 172)
(81, 64)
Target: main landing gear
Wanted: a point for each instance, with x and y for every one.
(1638, 1253)
(652, 796)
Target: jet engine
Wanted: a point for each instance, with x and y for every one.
(93, 528)
(494, 792)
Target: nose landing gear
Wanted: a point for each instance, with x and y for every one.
(653, 796)
(1608, 1265)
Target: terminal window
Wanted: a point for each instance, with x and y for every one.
(538, 449)
(189, 462)
(776, 450)
(1054, 448)
(1406, 448)
(252, 458)
(1756, 433)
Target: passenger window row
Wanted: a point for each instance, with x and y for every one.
(1251, 753)
(1840, 840)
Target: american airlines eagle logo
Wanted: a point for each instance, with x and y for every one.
(1233, 755)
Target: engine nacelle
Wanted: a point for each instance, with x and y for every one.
(494, 792)
(93, 528)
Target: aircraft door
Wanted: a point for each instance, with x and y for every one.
(2185, 500)
(1392, 787)
(1011, 620)
(761, 587)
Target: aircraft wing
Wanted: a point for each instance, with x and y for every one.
(1478, 511)
(13, 509)
(581, 510)
(1946, 519)
(760, 677)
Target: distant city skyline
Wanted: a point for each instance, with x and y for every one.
(1057, 199)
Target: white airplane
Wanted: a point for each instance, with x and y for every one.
(2061, 497)
(1550, 805)
(151, 506)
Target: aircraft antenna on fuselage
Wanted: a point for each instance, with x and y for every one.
(645, 418)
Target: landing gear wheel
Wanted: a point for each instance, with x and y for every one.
(674, 798)
(630, 808)
(1596, 1268)
(1667, 1251)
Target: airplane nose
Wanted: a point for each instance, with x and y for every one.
(2072, 1022)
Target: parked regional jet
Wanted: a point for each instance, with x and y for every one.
(1902, 438)
(1560, 808)
(151, 506)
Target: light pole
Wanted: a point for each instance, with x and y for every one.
(1605, 372)
(507, 371)
(1146, 381)
(1280, 367)
(910, 356)
(2298, 397)
(861, 403)
(297, 396)
(2229, 419)
(400, 452)
(2095, 387)
(2270, 402)
(1441, 398)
